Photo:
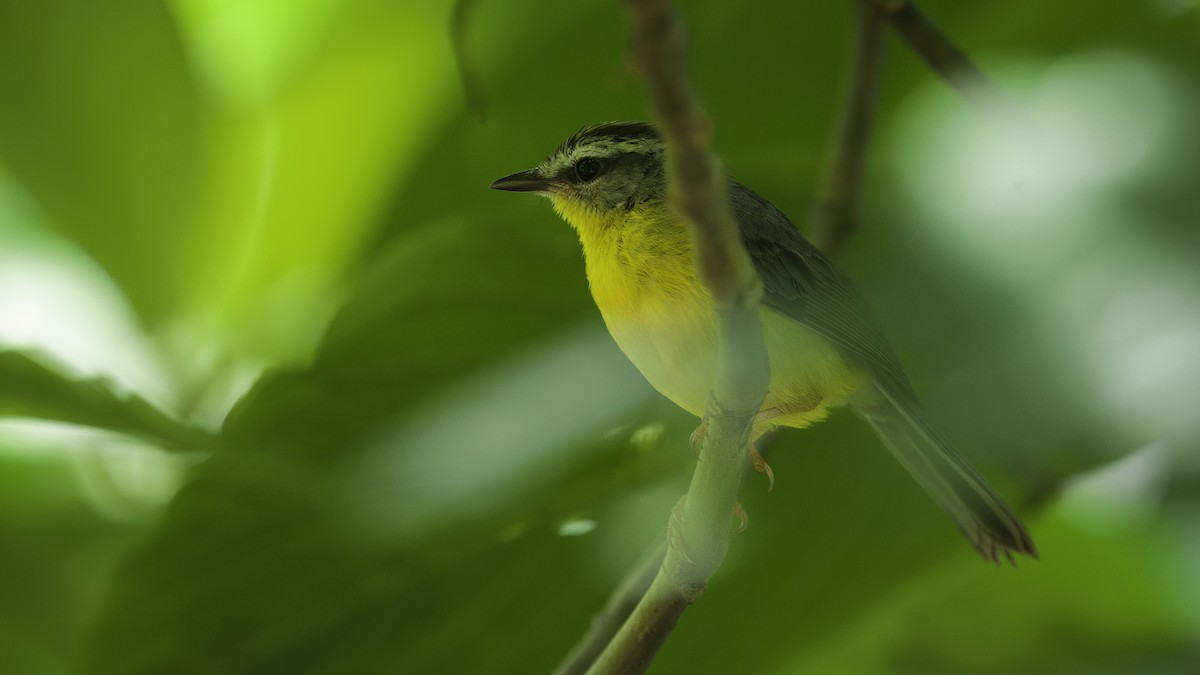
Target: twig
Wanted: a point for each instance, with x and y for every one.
(700, 525)
(834, 215)
(932, 45)
(629, 592)
(618, 608)
(467, 73)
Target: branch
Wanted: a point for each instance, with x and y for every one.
(628, 593)
(942, 55)
(468, 75)
(700, 525)
(835, 209)
(618, 608)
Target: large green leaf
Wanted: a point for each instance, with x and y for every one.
(31, 389)
(101, 124)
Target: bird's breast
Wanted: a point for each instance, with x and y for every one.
(658, 313)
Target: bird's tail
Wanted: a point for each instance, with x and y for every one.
(987, 522)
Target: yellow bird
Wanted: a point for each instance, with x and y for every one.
(826, 350)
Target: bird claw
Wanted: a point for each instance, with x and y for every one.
(739, 512)
(761, 466)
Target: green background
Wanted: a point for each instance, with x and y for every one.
(285, 389)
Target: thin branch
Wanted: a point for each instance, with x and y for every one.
(932, 45)
(834, 216)
(629, 592)
(618, 608)
(467, 73)
(701, 523)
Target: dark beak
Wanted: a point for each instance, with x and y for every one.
(526, 181)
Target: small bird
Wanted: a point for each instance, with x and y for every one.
(609, 183)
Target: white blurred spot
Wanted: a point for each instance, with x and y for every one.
(576, 527)
(56, 300)
(646, 438)
(1044, 206)
(1126, 493)
(1019, 194)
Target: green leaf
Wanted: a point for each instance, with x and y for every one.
(102, 125)
(58, 555)
(29, 388)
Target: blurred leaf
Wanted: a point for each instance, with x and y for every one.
(30, 389)
(57, 556)
(314, 115)
(101, 123)
(1096, 603)
(441, 305)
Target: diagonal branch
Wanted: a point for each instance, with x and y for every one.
(609, 620)
(701, 523)
(627, 594)
(942, 55)
(834, 216)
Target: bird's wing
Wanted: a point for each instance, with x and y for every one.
(799, 282)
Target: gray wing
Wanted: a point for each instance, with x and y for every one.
(799, 282)
(802, 284)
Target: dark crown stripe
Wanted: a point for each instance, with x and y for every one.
(612, 131)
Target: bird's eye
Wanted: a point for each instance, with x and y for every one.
(587, 168)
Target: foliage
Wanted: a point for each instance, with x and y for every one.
(437, 460)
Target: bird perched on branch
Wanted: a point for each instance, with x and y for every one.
(826, 350)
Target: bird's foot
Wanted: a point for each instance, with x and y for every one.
(761, 466)
(739, 512)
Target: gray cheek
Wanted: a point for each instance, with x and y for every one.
(622, 194)
(601, 196)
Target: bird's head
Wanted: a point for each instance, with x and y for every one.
(599, 174)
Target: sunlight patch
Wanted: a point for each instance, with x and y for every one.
(576, 527)
(56, 300)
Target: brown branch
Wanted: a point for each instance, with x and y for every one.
(834, 216)
(701, 523)
(941, 54)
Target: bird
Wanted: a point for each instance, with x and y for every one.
(826, 350)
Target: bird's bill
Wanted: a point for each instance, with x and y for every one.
(525, 181)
